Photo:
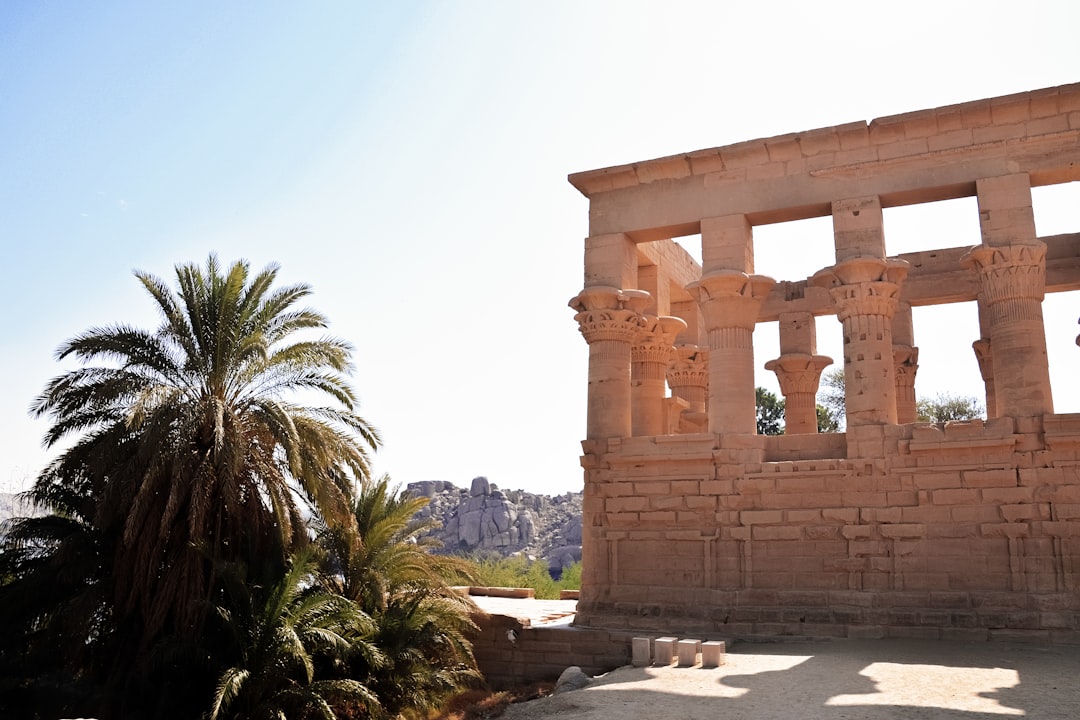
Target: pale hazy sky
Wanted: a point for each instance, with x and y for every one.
(409, 161)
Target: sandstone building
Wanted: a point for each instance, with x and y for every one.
(694, 522)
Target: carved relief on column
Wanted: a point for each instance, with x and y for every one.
(653, 350)
(730, 301)
(1013, 281)
(866, 291)
(905, 366)
(688, 378)
(798, 374)
(608, 314)
(609, 320)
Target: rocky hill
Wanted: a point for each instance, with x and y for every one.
(482, 519)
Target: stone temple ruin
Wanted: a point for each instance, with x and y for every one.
(694, 522)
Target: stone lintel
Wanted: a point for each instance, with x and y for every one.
(838, 162)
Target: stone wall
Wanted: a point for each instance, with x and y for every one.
(967, 530)
(542, 653)
(895, 528)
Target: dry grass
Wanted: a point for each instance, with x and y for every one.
(485, 704)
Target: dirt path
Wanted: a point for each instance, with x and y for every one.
(834, 679)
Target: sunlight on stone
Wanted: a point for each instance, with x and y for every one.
(937, 688)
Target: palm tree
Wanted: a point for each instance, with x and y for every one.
(280, 636)
(190, 452)
(52, 590)
(421, 625)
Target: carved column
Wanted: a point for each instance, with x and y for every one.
(653, 350)
(688, 375)
(609, 319)
(1011, 265)
(984, 356)
(798, 374)
(905, 363)
(798, 369)
(688, 378)
(905, 366)
(730, 301)
(866, 291)
(1013, 279)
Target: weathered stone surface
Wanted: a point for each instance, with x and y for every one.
(480, 487)
(504, 521)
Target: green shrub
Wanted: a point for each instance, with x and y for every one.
(520, 571)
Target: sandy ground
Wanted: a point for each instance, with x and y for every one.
(833, 679)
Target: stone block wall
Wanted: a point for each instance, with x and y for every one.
(963, 530)
(541, 653)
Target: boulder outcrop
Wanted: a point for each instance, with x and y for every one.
(484, 519)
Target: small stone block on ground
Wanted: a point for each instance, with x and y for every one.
(665, 650)
(688, 652)
(713, 653)
(641, 651)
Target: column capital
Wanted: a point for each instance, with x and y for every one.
(864, 286)
(689, 368)
(688, 378)
(729, 298)
(862, 269)
(654, 340)
(798, 372)
(609, 313)
(602, 297)
(1009, 272)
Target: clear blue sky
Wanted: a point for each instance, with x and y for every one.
(409, 161)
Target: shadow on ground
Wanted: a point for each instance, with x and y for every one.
(838, 679)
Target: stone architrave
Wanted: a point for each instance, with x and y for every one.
(730, 301)
(653, 350)
(1013, 280)
(798, 374)
(609, 320)
(865, 291)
